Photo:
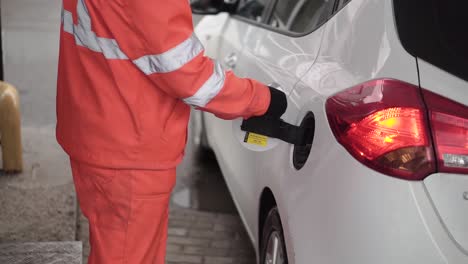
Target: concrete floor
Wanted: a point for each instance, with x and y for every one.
(41, 253)
(40, 204)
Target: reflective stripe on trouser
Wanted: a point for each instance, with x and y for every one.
(127, 212)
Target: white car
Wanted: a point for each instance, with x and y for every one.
(383, 177)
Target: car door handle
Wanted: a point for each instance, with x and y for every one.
(231, 60)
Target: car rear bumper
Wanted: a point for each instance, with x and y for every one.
(351, 214)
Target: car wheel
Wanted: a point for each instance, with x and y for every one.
(272, 243)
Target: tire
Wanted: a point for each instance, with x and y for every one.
(273, 236)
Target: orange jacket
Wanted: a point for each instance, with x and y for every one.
(128, 71)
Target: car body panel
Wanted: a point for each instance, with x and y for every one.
(240, 164)
(312, 197)
(271, 57)
(449, 195)
(335, 209)
(443, 83)
(446, 190)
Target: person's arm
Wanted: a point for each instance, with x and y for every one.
(165, 48)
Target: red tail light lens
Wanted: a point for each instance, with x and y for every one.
(386, 131)
(449, 122)
(383, 124)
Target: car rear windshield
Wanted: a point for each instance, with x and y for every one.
(435, 31)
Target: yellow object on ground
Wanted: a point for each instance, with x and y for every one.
(10, 129)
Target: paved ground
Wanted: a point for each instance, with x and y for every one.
(41, 253)
(40, 204)
(202, 237)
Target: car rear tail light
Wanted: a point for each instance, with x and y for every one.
(383, 124)
(449, 121)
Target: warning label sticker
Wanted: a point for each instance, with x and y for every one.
(256, 139)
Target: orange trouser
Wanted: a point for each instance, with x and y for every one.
(127, 212)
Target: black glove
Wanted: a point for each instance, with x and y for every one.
(268, 123)
(278, 104)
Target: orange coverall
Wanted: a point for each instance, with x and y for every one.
(129, 70)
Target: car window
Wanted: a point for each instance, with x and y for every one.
(343, 3)
(252, 9)
(300, 16)
(435, 31)
(282, 12)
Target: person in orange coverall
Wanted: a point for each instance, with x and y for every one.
(129, 70)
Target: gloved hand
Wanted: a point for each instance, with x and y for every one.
(278, 104)
(270, 124)
(267, 123)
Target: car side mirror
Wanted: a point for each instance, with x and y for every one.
(213, 7)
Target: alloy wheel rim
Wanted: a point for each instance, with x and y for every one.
(274, 252)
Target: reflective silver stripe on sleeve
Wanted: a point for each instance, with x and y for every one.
(86, 38)
(83, 15)
(168, 61)
(172, 59)
(108, 47)
(67, 20)
(210, 88)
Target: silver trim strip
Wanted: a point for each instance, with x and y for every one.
(83, 15)
(168, 61)
(88, 39)
(172, 59)
(67, 20)
(210, 88)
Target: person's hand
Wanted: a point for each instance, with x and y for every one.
(278, 104)
(268, 123)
